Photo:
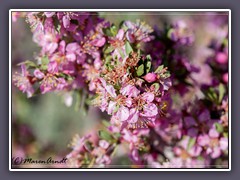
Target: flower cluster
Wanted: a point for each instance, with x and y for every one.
(160, 112)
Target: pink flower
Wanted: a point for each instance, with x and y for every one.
(148, 97)
(133, 115)
(130, 91)
(110, 89)
(111, 107)
(72, 49)
(53, 67)
(105, 159)
(223, 143)
(104, 144)
(49, 14)
(225, 77)
(214, 152)
(213, 133)
(149, 110)
(66, 21)
(123, 113)
(99, 42)
(77, 145)
(38, 74)
(221, 58)
(22, 82)
(150, 77)
(120, 34)
(203, 140)
(135, 155)
(195, 151)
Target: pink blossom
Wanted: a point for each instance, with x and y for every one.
(111, 107)
(195, 151)
(225, 77)
(22, 82)
(203, 140)
(221, 58)
(223, 143)
(213, 133)
(130, 91)
(110, 89)
(99, 42)
(104, 144)
(49, 14)
(149, 110)
(120, 34)
(148, 97)
(38, 74)
(150, 77)
(123, 113)
(133, 115)
(53, 67)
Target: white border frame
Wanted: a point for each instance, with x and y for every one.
(118, 10)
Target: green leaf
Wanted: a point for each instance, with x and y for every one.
(105, 135)
(109, 49)
(107, 32)
(128, 48)
(156, 86)
(58, 28)
(211, 95)
(121, 53)
(191, 143)
(222, 91)
(45, 60)
(56, 24)
(140, 70)
(169, 33)
(159, 69)
(149, 58)
(225, 134)
(28, 64)
(117, 135)
(219, 127)
(113, 30)
(167, 74)
(148, 66)
(44, 67)
(106, 123)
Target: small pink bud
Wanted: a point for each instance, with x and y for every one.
(225, 77)
(150, 77)
(221, 58)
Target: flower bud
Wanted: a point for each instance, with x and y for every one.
(225, 77)
(221, 58)
(150, 77)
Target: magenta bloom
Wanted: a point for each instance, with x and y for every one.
(23, 83)
(221, 58)
(38, 74)
(150, 77)
(130, 91)
(225, 77)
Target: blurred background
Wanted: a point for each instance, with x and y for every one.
(43, 126)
